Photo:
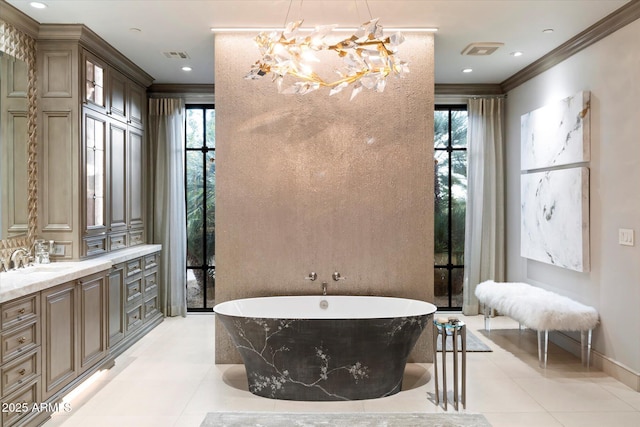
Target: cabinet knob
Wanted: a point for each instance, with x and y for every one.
(22, 340)
(22, 371)
(21, 311)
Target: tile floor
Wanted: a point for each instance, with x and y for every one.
(169, 379)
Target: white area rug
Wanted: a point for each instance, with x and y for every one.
(363, 419)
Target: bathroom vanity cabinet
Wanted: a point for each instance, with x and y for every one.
(20, 364)
(92, 109)
(51, 340)
(57, 329)
(133, 301)
(74, 326)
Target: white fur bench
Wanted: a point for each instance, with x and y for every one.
(541, 310)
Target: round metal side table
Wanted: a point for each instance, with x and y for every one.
(453, 328)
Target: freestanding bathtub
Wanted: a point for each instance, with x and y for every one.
(324, 347)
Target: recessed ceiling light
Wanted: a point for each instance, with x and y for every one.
(186, 68)
(517, 53)
(38, 5)
(547, 30)
(467, 70)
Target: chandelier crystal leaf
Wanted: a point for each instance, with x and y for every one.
(368, 58)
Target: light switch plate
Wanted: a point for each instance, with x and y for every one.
(625, 237)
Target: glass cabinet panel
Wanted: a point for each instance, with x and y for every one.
(95, 169)
(94, 82)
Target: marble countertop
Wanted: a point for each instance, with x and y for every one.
(35, 278)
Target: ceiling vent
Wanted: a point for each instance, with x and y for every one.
(176, 55)
(481, 48)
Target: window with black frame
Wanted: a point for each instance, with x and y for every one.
(200, 190)
(450, 151)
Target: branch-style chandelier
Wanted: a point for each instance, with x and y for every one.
(368, 58)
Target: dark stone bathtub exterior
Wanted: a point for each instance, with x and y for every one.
(325, 359)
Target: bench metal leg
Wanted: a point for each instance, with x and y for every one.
(487, 318)
(585, 344)
(543, 341)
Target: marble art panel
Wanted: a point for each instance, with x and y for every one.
(555, 217)
(556, 134)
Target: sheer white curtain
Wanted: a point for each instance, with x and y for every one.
(484, 225)
(166, 135)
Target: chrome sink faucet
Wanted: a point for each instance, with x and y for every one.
(20, 258)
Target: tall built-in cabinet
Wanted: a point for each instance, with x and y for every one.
(91, 189)
(93, 110)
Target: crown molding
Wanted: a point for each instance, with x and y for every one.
(96, 45)
(468, 89)
(19, 20)
(601, 29)
(182, 89)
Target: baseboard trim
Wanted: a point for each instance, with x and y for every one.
(599, 361)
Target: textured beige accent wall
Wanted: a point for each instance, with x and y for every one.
(319, 183)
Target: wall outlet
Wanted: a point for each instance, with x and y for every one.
(58, 250)
(625, 237)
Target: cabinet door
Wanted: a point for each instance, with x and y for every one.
(137, 97)
(116, 304)
(117, 176)
(93, 320)
(118, 102)
(59, 325)
(136, 174)
(94, 82)
(94, 151)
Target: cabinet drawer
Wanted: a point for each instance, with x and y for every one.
(134, 290)
(134, 267)
(136, 237)
(21, 310)
(117, 241)
(134, 318)
(19, 340)
(21, 402)
(20, 371)
(95, 245)
(151, 261)
(150, 307)
(150, 281)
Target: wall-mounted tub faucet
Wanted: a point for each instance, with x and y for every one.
(324, 288)
(312, 276)
(336, 276)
